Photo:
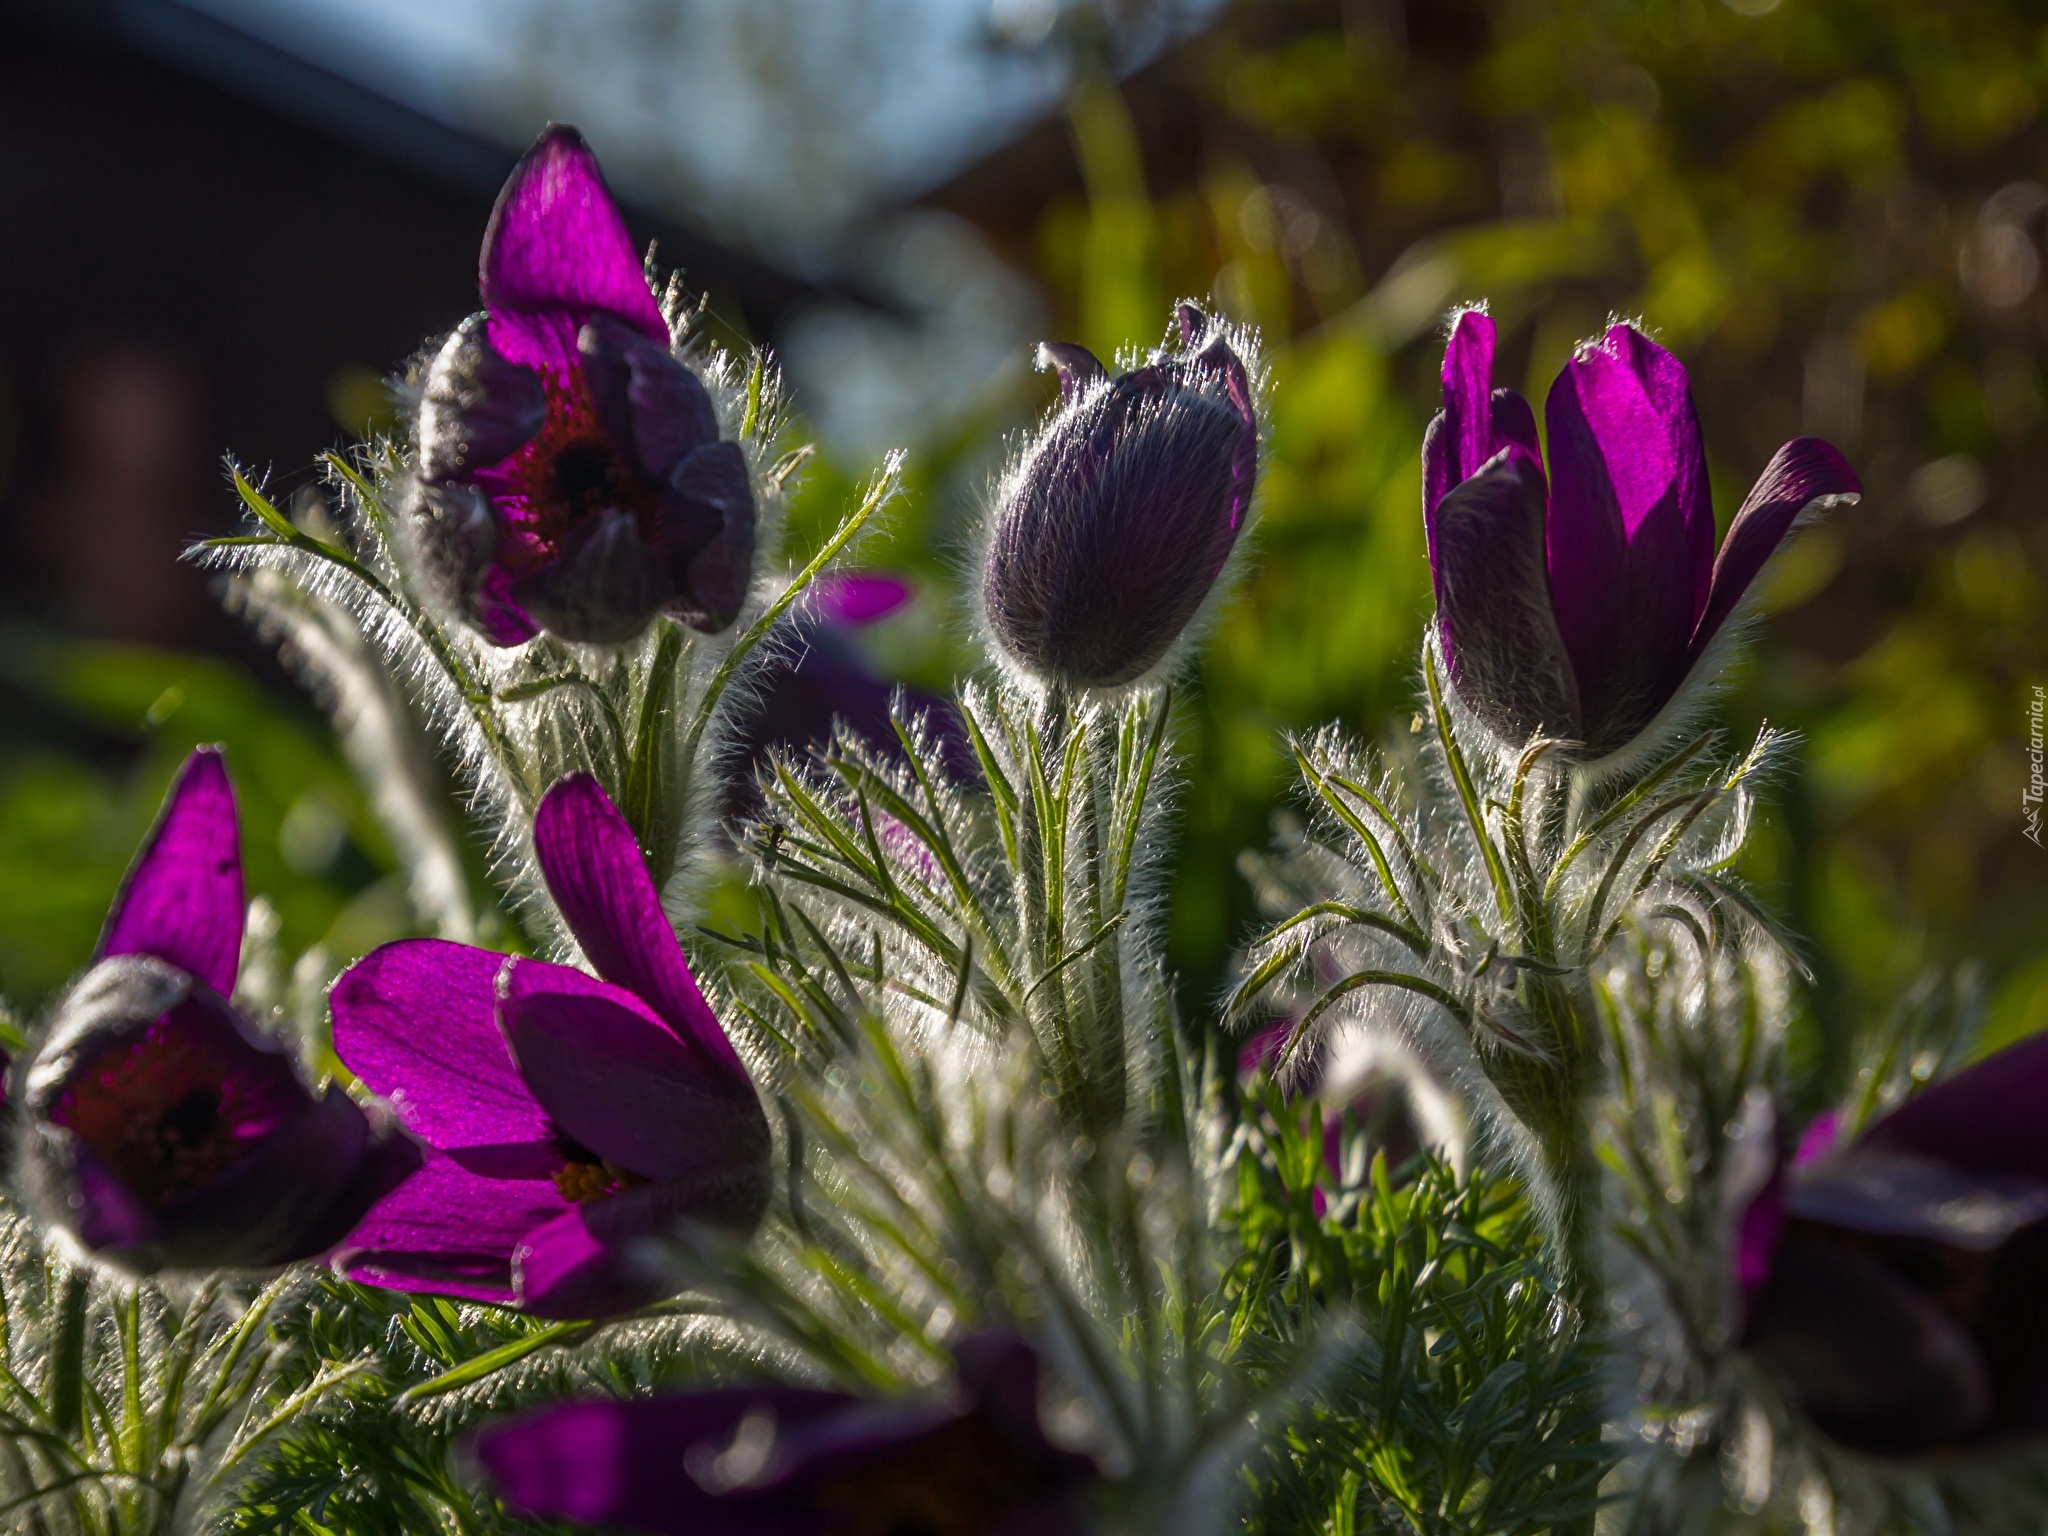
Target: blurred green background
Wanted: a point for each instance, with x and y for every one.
(1832, 209)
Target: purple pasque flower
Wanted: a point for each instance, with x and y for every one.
(1113, 526)
(571, 475)
(1579, 608)
(164, 1130)
(1894, 1284)
(564, 1118)
(790, 1461)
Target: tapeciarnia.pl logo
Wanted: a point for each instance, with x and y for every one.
(2037, 781)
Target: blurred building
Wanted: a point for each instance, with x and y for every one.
(211, 245)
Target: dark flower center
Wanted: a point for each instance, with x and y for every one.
(567, 472)
(167, 1112)
(964, 1479)
(187, 1123)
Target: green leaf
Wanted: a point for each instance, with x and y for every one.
(494, 1360)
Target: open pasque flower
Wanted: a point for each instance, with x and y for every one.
(1117, 520)
(571, 475)
(1579, 608)
(798, 1462)
(565, 1118)
(163, 1129)
(1895, 1284)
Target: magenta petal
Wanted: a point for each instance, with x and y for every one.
(417, 1022)
(1986, 1120)
(598, 878)
(1889, 1193)
(391, 1159)
(497, 612)
(1819, 1138)
(630, 1464)
(614, 1078)
(1631, 528)
(557, 250)
(859, 597)
(1514, 425)
(182, 900)
(1493, 611)
(1799, 473)
(1874, 1361)
(603, 585)
(590, 1263)
(103, 1214)
(568, 1270)
(1477, 421)
(1632, 403)
(448, 1230)
(654, 410)
(1756, 1240)
(707, 528)
(1466, 438)
(564, 1269)
(272, 1207)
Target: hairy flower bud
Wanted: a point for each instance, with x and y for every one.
(1115, 524)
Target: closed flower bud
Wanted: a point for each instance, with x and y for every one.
(1117, 521)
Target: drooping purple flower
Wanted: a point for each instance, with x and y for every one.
(1114, 525)
(1895, 1284)
(785, 1461)
(1580, 608)
(818, 679)
(565, 1118)
(571, 475)
(164, 1129)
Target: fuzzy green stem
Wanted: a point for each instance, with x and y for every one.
(67, 1357)
(1552, 1098)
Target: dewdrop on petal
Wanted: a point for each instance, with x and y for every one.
(1116, 522)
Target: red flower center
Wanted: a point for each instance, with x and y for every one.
(568, 471)
(169, 1111)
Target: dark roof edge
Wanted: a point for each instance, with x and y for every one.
(222, 53)
(217, 51)
(296, 87)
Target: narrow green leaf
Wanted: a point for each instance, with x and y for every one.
(492, 1361)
